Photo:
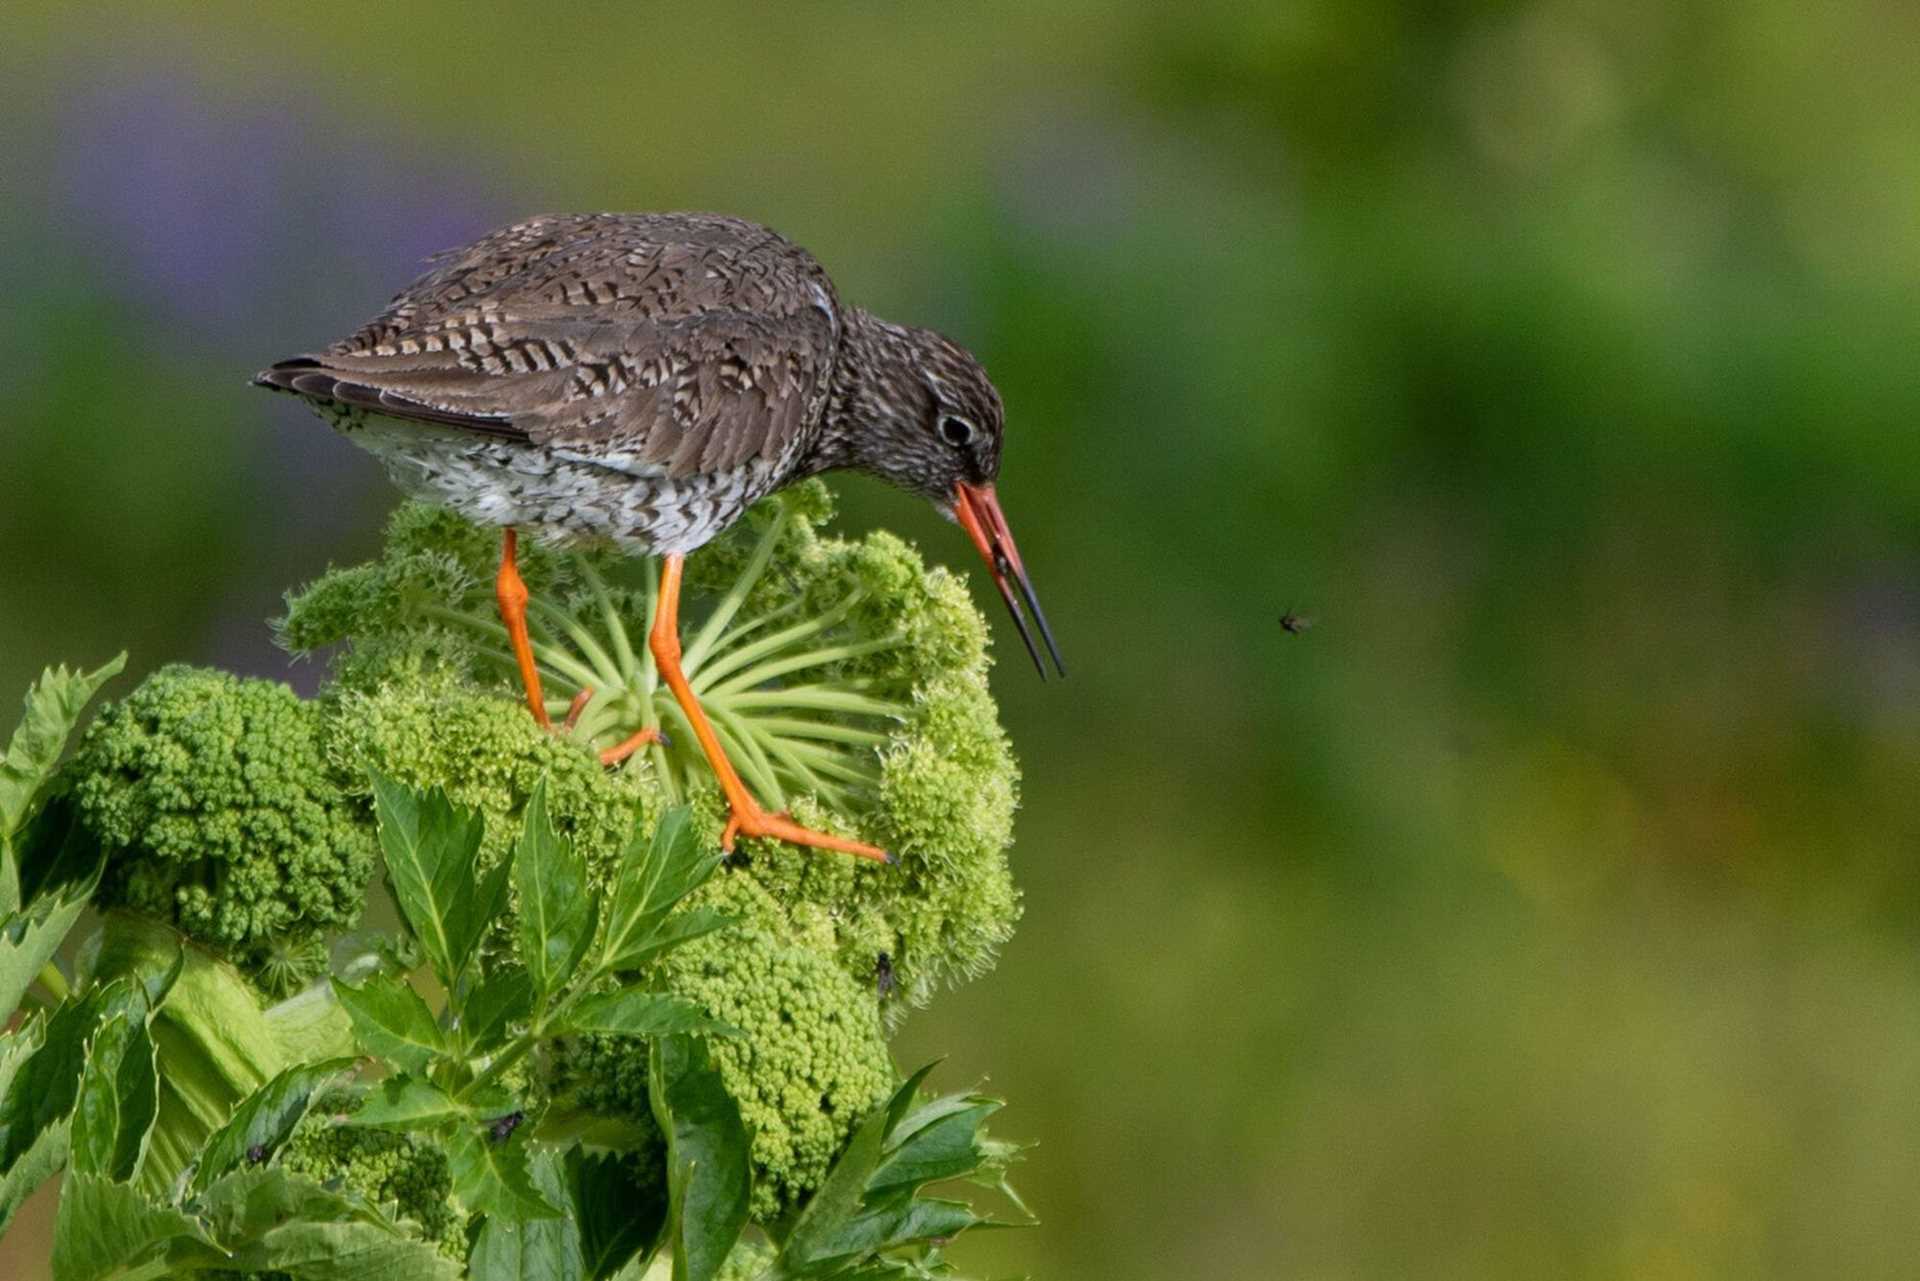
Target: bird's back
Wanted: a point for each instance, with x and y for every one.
(688, 354)
(558, 269)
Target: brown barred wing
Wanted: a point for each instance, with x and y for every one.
(680, 344)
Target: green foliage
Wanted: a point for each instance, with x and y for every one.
(430, 850)
(27, 1157)
(813, 1054)
(49, 869)
(869, 1218)
(536, 1249)
(119, 1096)
(709, 1176)
(59, 870)
(265, 1121)
(601, 975)
(847, 680)
(617, 1207)
(404, 1174)
(215, 1044)
(45, 1067)
(451, 1074)
(433, 731)
(220, 816)
(53, 708)
(107, 1229)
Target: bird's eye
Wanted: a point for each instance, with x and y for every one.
(956, 431)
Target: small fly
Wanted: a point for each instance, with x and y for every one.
(883, 975)
(1294, 624)
(501, 1130)
(257, 1154)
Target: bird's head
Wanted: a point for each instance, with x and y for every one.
(919, 412)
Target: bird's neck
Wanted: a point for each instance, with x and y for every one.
(874, 360)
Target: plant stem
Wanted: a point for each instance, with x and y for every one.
(776, 668)
(728, 663)
(795, 727)
(737, 593)
(829, 698)
(602, 663)
(616, 632)
(54, 981)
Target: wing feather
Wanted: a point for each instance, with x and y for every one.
(689, 343)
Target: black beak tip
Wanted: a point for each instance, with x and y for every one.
(1039, 619)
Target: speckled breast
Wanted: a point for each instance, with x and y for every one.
(553, 494)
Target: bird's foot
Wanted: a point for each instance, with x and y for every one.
(633, 743)
(751, 820)
(619, 751)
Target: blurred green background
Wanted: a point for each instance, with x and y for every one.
(1549, 909)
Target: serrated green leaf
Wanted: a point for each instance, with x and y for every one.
(392, 1021)
(505, 998)
(619, 1219)
(491, 1176)
(409, 1104)
(108, 1230)
(118, 1099)
(58, 855)
(311, 1025)
(537, 1250)
(709, 1174)
(634, 1012)
(243, 1204)
(489, 901)
(54, 705)
(681, 927)
(28, 940)
(915, 1222)
(307, 1251)
(940, 1141)
(213, 1041)
(60, 867)
(273, 1221)
(45, 1157)
(906, 1095)
(430, 847)
(838, 1197)
(264, 1120)
(159, 959)
(17, 1045)
(44, 1087)
(555, 908)
(868, 1204)
(650, 881)
(47, 1152)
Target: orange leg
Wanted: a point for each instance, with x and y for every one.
(631, 744)
(512, 594)
(748, 817)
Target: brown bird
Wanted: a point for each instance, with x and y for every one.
(646, 378)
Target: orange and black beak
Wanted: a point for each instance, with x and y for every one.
(979, 514)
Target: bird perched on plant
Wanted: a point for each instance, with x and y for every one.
(646, 378)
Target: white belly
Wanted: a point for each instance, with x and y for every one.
(555, 496)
